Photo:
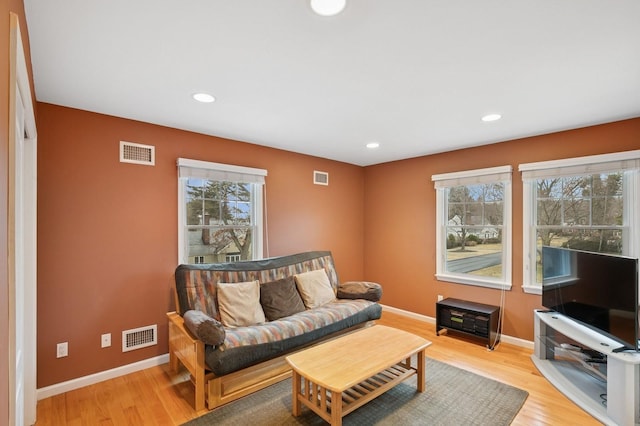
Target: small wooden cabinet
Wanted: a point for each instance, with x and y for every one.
(469, 318)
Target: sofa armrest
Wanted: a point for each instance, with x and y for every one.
(205, 328)
(186, 349)
(360, 290)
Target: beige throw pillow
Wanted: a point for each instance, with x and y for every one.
(315, 288)
(239, 304)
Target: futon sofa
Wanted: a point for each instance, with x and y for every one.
(235, 322)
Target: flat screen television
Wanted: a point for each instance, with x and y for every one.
(596, 289)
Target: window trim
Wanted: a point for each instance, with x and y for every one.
(218, 171)
(626, 161)
(471, 177)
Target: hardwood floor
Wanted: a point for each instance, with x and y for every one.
(156, 397)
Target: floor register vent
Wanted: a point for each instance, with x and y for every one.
(137, 154)
(139, 338)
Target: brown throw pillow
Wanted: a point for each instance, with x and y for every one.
(280, 298)
(205, 328)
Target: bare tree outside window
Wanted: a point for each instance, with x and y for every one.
(475, 216)
(580, 212)
(219, 219)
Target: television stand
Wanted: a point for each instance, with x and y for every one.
(583, 364)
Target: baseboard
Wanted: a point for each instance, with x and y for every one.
(516, 341)
(81, 382)
(410, 314)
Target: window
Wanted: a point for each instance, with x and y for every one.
(473, 235)
(560, 267)
(586, 203)
(219, 212)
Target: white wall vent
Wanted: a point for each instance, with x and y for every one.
(137, 154)
(320, 178)
(139, 338)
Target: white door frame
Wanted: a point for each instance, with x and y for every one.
(22, 237)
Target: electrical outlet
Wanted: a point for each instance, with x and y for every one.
(105, 340)
(440, 297)
(62, 350)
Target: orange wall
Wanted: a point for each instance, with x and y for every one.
(107, 231)
(400, 221)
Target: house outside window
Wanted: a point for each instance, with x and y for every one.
(220, 212)
(473, 235)
(586, 203)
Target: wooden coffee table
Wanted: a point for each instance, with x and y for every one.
(337, 377)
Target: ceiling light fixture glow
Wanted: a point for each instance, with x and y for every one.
(328, 7)
(373, 145)
(204, 98)
(491, 117)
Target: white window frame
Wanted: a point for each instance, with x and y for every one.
(470, 177)
(222, 172)
(627, 161)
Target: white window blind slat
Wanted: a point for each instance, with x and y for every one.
(472, 177)
(219, 172)
(595, 164)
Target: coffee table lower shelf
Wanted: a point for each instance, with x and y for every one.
(332, 406)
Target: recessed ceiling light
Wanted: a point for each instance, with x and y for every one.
(491, 117)
(328, 7)
(204, 97)
(373, 145)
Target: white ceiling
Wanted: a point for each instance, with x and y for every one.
(414, 75)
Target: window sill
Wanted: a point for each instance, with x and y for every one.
(473, 281)
(531, 289)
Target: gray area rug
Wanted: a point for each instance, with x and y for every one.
(453, 397)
